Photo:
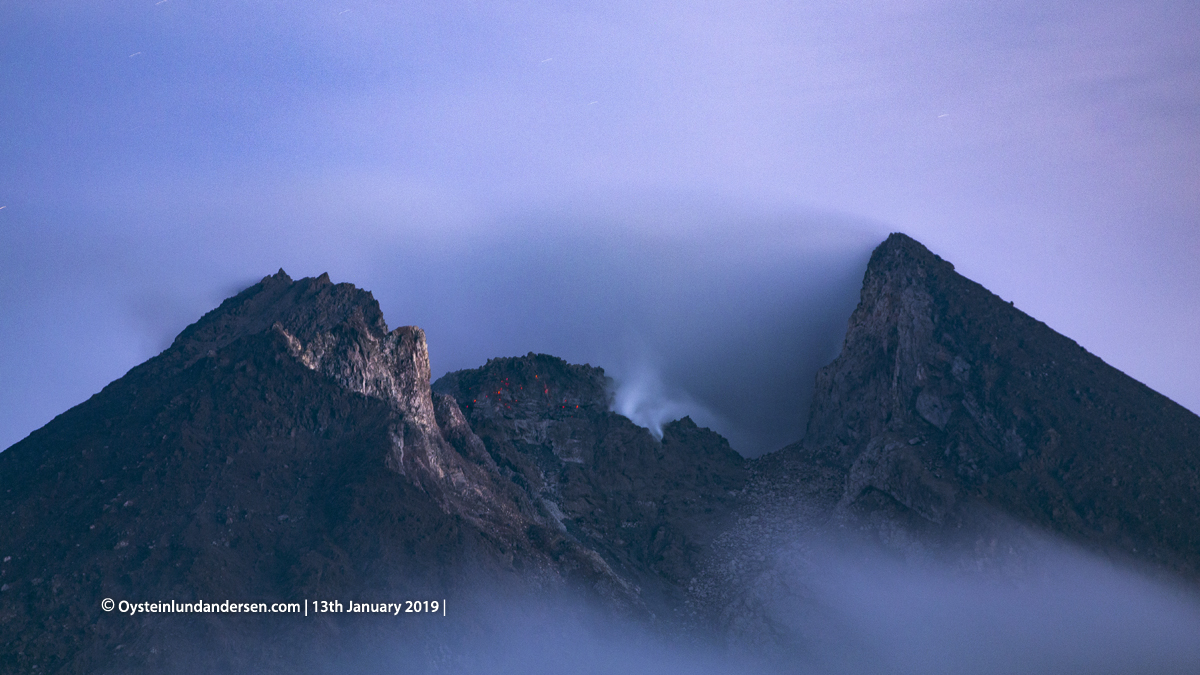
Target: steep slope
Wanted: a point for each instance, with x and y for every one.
(647, 508)
(289, 446)
(286, 446)
(945, 396)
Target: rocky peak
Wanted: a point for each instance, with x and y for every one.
(337, 330)
(944, 394)
(890, 335)
(534, 385)
(305, 309)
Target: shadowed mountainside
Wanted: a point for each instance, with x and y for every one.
(289, 447)
(286, 447)
(648, 507)
(945, 398)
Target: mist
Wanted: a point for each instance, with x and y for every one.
(711, 309)
(824, 605)
(1061, 610)
(684, 196)
(629, 184)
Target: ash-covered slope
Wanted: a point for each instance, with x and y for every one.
(945, 398)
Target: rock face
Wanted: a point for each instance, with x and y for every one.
(646, 508)
(289, 446)
(258, 458)
(339, 332)
(945, 398)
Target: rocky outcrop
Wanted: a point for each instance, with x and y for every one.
(339, 332)
(245, 476)
(288, 446)
(945, 396)
(646, 508)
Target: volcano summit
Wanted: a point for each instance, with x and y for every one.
(289, 448)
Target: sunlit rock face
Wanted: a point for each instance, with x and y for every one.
(288, 446)
(233, 466)
(944, 395)
(339, 331)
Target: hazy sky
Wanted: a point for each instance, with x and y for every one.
(684, 193)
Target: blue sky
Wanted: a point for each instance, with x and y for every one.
(684, 194)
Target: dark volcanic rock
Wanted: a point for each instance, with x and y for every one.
(945, 396)
(289, 446)
(647, 508)
(285, 447)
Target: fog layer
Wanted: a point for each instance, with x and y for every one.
(834, 609)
